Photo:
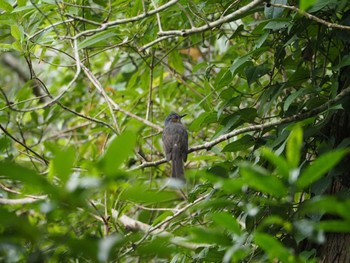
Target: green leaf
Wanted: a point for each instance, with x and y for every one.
(17, 225)
(320, 167)
(158, 247)
(278, 24)
(241, 144)
(345, 61)
(306, 4)
(336, 226)
(278, 161)
(293, 148)
(90, 41)
(140, 194)
(253, 73)
(224, 78)
(25, 175)
(209, 236)
(240, 62)
(329, 205)
(294, 96)
(227, 221)
(175, 61)
(62, 163)
(273, 247)
(259, 179)
(117, 152)
(16, 32)
(5, 6)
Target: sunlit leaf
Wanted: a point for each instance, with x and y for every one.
(294, 146)
(260, 179)
(117, 151)
(320, 167)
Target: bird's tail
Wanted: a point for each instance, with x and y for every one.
(177, 169)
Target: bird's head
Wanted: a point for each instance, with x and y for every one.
(174, 117)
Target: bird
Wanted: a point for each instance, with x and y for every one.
(175, 142)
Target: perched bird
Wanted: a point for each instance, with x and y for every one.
(175, 141)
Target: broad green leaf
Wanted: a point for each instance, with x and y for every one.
(241, 144)
(25, 175)
(292, 97)
(330, 205)
(224, 78)
(140, 194)
(102, 36)
(209, 236)
(5, 6)
(306, 4)
(117, 152)
(273, 247)
(320, 167)
(260, 179)
(16, 32)
(158, 247)
(278, 24)
(336, 226)
(293, 148)
(17, 226)
(253, 73)
(5, 47)
(227, 221)
(239, 63)
(345, 61)
(175, 60)
(62, 163)
(279, 162)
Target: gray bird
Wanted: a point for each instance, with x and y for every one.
(175, 141)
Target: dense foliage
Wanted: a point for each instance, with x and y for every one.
(86, 86)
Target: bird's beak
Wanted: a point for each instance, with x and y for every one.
(182, 115)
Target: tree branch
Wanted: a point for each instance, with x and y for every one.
(21, 201)
(259, 127)
(216, 23)
(123, 21)
(312, 17)
(157, 229)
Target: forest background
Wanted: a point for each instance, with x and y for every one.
(84, 90)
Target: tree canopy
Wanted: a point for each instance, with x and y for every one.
(86, 86)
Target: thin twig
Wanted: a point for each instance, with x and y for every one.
(24, 145)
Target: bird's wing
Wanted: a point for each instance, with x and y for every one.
(167, 144)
